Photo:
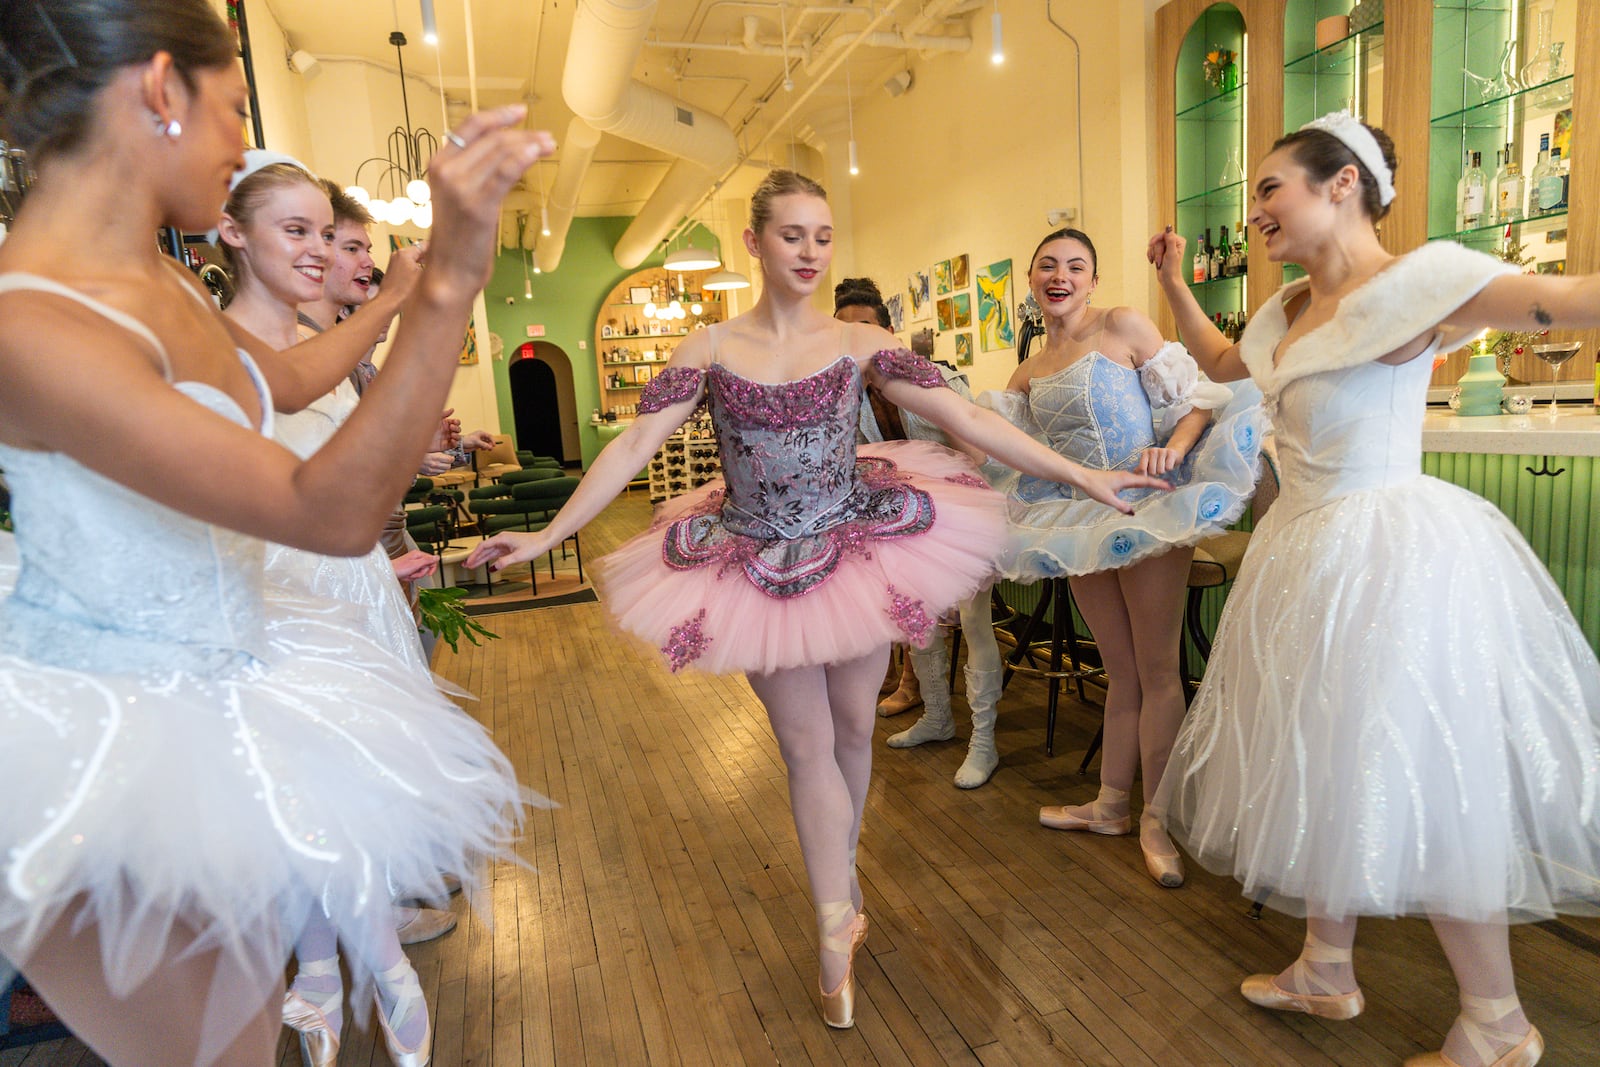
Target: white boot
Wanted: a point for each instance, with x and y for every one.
(983, 695)
(933, 672)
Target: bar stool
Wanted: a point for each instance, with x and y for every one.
(1056, 599)
(1216, 563)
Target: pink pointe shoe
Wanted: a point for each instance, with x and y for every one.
(402, 978)
(839, 1006)
(319, 1038)
(1476, 1014)
(1107, 814)
(1264, 991)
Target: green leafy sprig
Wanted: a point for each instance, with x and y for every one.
(442, 613)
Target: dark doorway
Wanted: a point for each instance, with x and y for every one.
(542, 400)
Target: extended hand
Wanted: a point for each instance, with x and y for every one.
(448, 433)
(414, 564)
(1159, 460)
(405, 267)
(477, 441)
(1165, 251)
(1105, 485)
(504, 549)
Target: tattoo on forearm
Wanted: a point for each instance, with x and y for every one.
(1541, 316)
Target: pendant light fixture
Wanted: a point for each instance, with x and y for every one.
(850, 103)
(409, 151)
(997, 50)
(690, 257)
(723, 280)
(430, 25)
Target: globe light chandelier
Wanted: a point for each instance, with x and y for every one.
(402, 169)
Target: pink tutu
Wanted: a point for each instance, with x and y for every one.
(720, 601)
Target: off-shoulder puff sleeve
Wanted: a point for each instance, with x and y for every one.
(672, 386)
(1173, 383)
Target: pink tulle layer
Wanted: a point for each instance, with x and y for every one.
(884, 589)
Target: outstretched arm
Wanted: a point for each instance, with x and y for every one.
(616, 464)
(1215, 354)
(1530, 302)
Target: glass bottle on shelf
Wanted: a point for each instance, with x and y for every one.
(1202, 260)
(1244, 248)
(1540, 165)
(1544, 62)
(1550, 186)
(1470, 195)
(1232, 170)
(1494, 182)
(1510, 191)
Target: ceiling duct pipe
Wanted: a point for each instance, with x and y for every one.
(577, 152)
(607, 36)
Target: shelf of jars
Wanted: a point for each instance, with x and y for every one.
(640, 322)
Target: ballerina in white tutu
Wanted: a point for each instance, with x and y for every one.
(193, 757)
(1399, 715)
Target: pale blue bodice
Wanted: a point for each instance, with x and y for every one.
(1093, 411)
(112, 581)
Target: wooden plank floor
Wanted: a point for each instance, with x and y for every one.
(664, 919)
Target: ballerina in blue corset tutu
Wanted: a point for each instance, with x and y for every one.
(1106, 391)
(813, 555)
(195, 759)
(1400, 714)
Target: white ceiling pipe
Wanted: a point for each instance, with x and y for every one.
(899, 42)
(577, 152)
(926, 19)
(684, 185)
(607, 36)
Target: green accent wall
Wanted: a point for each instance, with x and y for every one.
(567, 302)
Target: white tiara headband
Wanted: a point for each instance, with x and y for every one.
(1353, 133)
(255, 159)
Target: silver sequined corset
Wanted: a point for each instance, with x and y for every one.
(788, 450)
(1095, 412)
(112, 582)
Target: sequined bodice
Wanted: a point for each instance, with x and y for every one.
(1350, 429)
(114, 582)
(788, 450)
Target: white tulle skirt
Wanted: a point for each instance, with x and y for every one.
(326, 773)
(366, 581)
(1399, 716)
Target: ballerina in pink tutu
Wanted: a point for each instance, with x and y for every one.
(814, 556)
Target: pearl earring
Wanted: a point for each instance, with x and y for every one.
(173, 129)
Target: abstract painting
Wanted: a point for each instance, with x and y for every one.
(995, 331)
(960, 272)
(941, 277)
(896, 303)
(963, 350)
(963, 310)
(921, 298)
(946, 313)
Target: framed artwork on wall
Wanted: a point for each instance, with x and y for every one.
(995, 331)
(946, 313)
(962, 316)
(963, 350)
(918, 288)
(960, 272)
(896, 303)
(941, 278)
(640, 294)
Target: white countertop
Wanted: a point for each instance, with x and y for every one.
(1573, 431)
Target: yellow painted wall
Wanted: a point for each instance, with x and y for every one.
(971, 158)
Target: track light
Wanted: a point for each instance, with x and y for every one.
(855, 167)
(544, 220)
(997, 53)
(430, 26)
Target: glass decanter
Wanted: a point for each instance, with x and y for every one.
(1545, 62)
(1232, 170)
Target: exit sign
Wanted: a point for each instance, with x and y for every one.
(535, 329)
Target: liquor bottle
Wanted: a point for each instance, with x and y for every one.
(1509, 196)
(1223, 247)
(1216, 256)
(1244, 248)
(1470, 195)
(1552, 184)
(1541, 165)
(1559, 165)
(1202, 260)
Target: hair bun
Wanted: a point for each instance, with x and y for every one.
(858, 287)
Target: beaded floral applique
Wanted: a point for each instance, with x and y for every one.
(802, 402)
(686, 642)
(672, 386)
(904, 363)
(911, 616)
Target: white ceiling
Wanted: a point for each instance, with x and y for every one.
(520, 49)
